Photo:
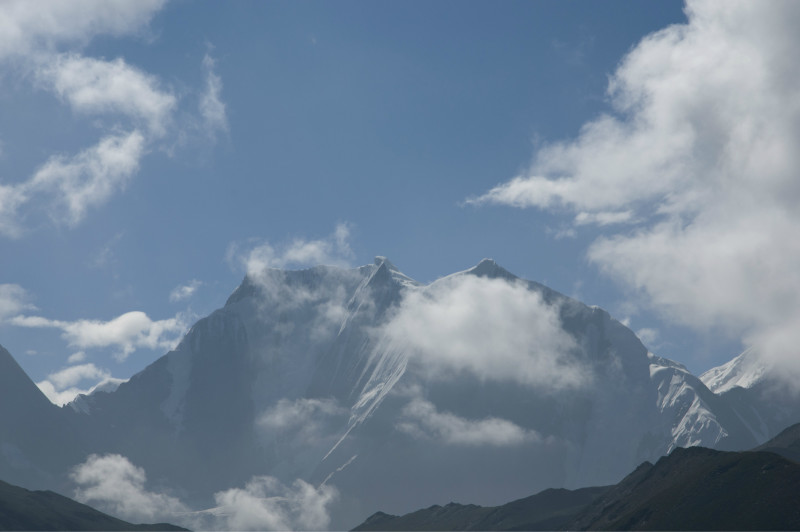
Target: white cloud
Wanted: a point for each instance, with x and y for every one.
(91, 177)
(97, 86)
(113, 484)
(183, 292)
(303, 421)
(78, 356)
(62, 386)
(41, 42)
(702, 146)
(13, 300)
(603, 218)
(212, 108)
(267, 504)
(73, 375)
(421, 419)
(32, 27)
(12, 197)
(74, 184)
(127, 332)
(647, 335)
(492, 328)
(334, 250)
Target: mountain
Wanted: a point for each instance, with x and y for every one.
(757, 392)
(702, 489)
(478, 386)
(550, 509)
(691, 489)
(21, 509)
(29, 424)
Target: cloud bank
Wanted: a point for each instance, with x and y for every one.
(699, 155)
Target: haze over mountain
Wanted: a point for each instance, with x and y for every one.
(339, 389)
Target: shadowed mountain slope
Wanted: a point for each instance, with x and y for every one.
(21, 509)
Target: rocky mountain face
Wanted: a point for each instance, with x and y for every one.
(479, 386)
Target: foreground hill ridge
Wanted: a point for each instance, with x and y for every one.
(21, 509)
(693, 488)
(483, 385)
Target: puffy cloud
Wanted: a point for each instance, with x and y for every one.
(114, 485)
(701, 149)
(127, 332)
(185, 291)
(212, 108)
(13, 300)
(492, 328)
(421, 419)
(267, 504)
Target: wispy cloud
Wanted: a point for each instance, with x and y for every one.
(421, 419)
(303, 422)
(184, 291)
(13, 300)
(333, 250)
(32, 28)
(702, 144)
(100, 87)
(212, 108)
(88, 179)
(43, 42)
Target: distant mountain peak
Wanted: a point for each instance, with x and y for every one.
(381, 260)
(489, 268)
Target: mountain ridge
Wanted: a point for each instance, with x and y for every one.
(693, 488)
(329, 375)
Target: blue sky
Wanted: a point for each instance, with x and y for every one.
(147, 147)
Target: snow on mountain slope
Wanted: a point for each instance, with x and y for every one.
(695, 414)
(764, 401)
(744, 371)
